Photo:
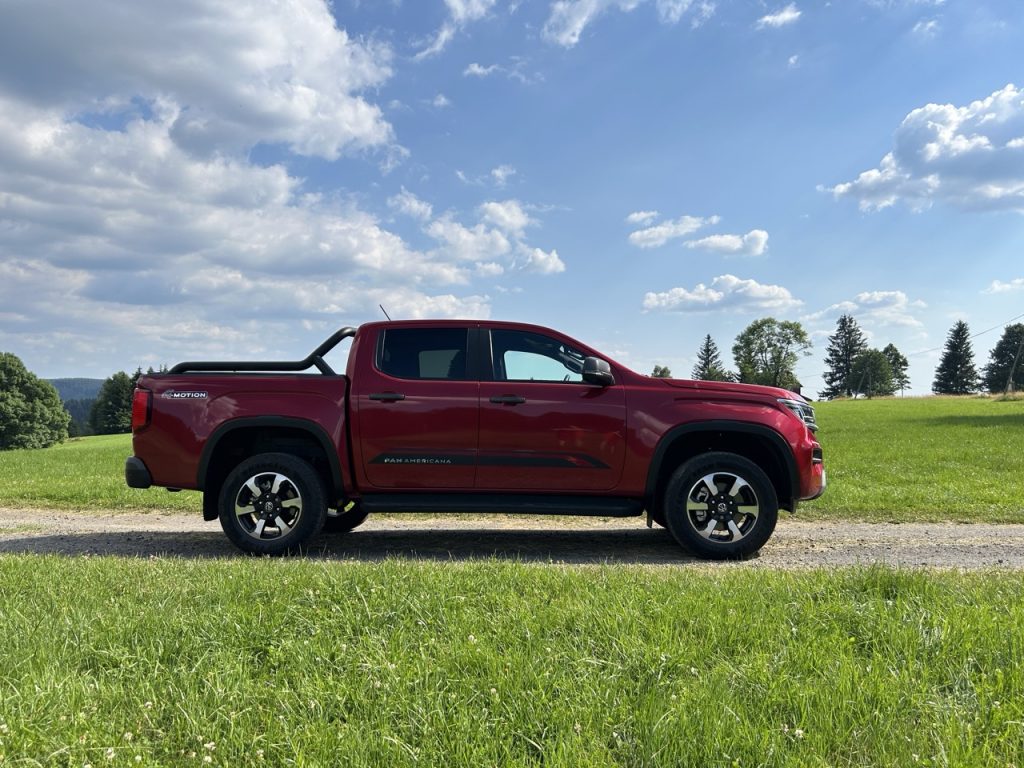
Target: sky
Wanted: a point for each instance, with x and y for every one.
(210, 180)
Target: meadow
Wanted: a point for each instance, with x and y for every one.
(268, 662)
(243, 661)
(896, 459)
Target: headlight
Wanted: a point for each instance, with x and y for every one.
(802, 411)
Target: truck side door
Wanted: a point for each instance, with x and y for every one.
(417, 407)
(541, 427)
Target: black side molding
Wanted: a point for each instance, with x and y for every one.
(504, 503)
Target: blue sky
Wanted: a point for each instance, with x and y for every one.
(206, 180)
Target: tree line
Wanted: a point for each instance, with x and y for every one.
(767, 351)
(33, 416)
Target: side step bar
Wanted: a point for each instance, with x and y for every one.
(509, 504)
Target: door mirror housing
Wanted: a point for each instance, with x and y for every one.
(597, 371)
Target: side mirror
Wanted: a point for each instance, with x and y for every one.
(597, 371)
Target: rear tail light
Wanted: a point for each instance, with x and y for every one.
(142, 409)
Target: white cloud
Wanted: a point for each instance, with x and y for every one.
(753, 243)
(502, 174)
(998, 286)
(406, 202)
(926, 28)
(793, 61)
(780, 18)
(440, 101)
(642, 217)
(657, 235)
(478, 70)
(460, 13)
(726, 292)
(514, 70)
(544, 263)
(569, 18)
(970, 157)
(478, 243)
(232, 74)
(508, 216)
(874, 308)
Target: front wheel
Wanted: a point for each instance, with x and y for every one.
(721, 505)
(271, 504)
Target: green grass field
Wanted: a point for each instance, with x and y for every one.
(265, 662)
(894, 459)
(936, 458)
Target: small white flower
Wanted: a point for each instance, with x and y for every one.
(209, 746)
(110, 753)
(128, 736)
(207, 759)
(148, 705)
(798, 732)
(4, 728)
(138, 758)
(472, 639)
(693, 671)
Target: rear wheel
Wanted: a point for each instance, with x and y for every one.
(721, 505)
(344, 519)
(271, 504)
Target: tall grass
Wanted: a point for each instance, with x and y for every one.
(253, 662)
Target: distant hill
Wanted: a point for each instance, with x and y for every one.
(77, 389)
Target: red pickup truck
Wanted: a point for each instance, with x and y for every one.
(471, 416)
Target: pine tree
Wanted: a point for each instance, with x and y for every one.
(709, 365)
(112, 411)
(1005, 369)
(661, 372)
(843, 348)
(899, 364)
(956, 374)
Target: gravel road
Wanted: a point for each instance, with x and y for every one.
(796, 544)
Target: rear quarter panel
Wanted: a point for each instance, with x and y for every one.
(173, 442)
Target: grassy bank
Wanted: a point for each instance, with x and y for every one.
(261, 662)
(895, 459)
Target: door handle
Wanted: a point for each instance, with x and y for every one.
(508, 399)
(387, 397)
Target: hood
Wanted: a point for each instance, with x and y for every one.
(728, 387)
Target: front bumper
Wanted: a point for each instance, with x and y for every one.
(136, 473)
(821, 490)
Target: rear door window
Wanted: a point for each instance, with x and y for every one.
(424, 353)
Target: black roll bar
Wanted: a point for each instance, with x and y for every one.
(315, 358)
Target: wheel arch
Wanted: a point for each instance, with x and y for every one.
(756, 442)
(238, 439)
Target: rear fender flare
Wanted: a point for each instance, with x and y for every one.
(311, 428)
